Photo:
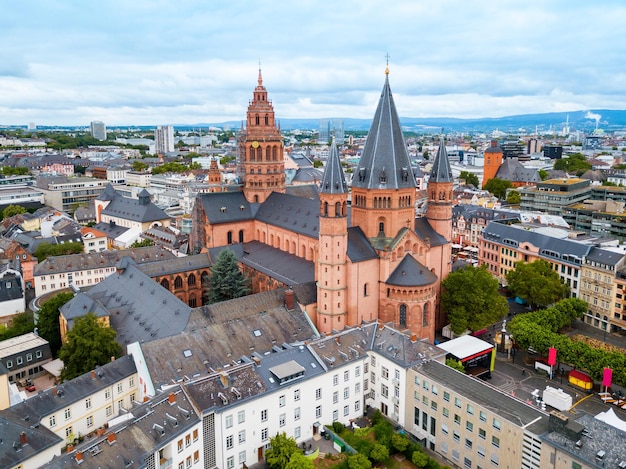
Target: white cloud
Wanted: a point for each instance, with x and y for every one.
(190, 61)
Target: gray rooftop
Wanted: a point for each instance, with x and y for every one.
(177, 264)
(385, 162)
(220, 333)
(138, 210)
(333, 181)
(225, 207)
(441, 171)
(295, 214)
(411, 273)
(515, 411)
(100, 260)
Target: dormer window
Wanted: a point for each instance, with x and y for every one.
(383, 177)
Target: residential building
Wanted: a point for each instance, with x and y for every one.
(94, 240)
(138, 178)
(24, 261)
(98, 130)
(81, 270)
(12, 293)
(598, 217)
(23, 356)
(164, 139)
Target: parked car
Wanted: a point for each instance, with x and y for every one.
(30, 387)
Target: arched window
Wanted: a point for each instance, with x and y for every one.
(425, 315)
(274, 153)
(325, 209)
(192, 301)
(381, 228)
(252, 154)
(267, 119)
(241, 236)
(402, 318)
(191, 280)
(337, 209)
(178, 282)
(165, 284)
(229, 237)
(257, 120)
(365, 287)
(267, 154)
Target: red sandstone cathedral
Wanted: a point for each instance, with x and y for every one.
(371, 258)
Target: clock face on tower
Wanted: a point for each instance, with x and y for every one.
(255, 144)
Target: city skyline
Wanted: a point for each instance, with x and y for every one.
(190, 62)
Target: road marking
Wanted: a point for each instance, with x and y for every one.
(584, 398)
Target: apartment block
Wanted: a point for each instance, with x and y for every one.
(66, 194)
(552, 195)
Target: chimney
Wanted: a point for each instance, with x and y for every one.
(414, 338)
(79, 457)
(23, 438)
(171, 398)
(224, 378)
(111, 438)
(93, 374)
(289, 299)
(54, 391)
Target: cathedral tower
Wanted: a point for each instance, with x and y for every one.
(383, 185)
(261, 149)
(439, 208)
(331, 267)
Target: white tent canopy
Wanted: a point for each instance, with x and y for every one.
(609, 417)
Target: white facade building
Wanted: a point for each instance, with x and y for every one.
(164, 139)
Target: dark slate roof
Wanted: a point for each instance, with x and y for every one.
(401, 348)
(39, 438)
(604, 256)
(564, 249)
(10, 287)
(359, 247)
(385, 162)
(333, 181)
(224, 207)
(507, 407)
(109, 193)
(307, 191)
(306, 293)
(411, 273)
(226, 331)
(292, 213)
(138, 210)
(427, 233)
(139, 308)
(178, 264)
(80, 305)
(307, 175)
(75, 390)
(441, 171)
(111, 229)
(512, 170)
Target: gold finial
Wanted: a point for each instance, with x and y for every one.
(387, 66)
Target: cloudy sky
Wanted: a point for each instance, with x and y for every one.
(138, 62)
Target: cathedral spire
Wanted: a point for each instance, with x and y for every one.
(385, 162)
(441, 171)
(260, 79)
(333, 180)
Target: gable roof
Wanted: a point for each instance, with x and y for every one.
(359, 247)
(225, 207)
(295, 214)
(138, 210)
(427, 233)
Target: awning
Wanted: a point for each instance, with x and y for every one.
(317, 424)
(54, 367)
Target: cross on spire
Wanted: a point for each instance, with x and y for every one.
(387, 65)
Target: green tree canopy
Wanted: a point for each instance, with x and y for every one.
(227, 281)
(20, 324)
(470, 178)
(471, 300)
(513, 198)
(89, 343)
(13, 171)
(543, 174)
(299, 461)
(419, 458)
(537, 283)
(574, 163)
(282, 448)
(139, 166)
(142, 243)
(379, 453)
(497, 187)
(48, 320)
(359, 461)
(11, 210)
(45, 250)
(456, 364)
(175, 167)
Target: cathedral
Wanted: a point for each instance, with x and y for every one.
(370, 256)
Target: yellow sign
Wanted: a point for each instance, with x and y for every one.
(255, 144)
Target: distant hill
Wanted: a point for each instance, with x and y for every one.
(608, 120)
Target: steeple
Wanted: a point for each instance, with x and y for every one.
(385, 162)
(441, 171)
(333, 180)
(384, 178)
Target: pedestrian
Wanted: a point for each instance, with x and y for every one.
(523, 372)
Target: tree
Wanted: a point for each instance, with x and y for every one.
(227, 281)
(537, 283)
(48, 320)
(574, 163)
(513, 198)
(139, 166)
(282, 448)
(470, 298)
(399, 442)
(497, 187)
(12, 210)
(89, 343)
(317, 163)
(419, 458)
(143, 243)
(426, 155)
(543, 174)
(359, 461)
(470, 178)
(20, 324)
(45, 250)
(299, 461)
(379, 453)
(456, 364)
